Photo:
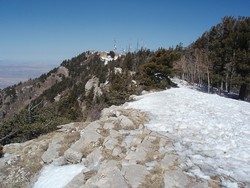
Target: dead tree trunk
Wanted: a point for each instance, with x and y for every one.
(243, 91)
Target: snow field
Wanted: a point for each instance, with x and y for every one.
(208, 131)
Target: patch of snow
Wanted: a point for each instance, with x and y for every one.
(208, 131)
(118, 70)
(134, 82)
(107, 59)
(57, 176)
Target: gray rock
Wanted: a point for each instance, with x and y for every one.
(203, 184)
(108, 125)
(73, 156)
(150, 165)
(134, 174)
(110, 142)
(89, 138)
(117, 151)
(51, 153)
(108, 176)
(126, 123)
(109, 112)
(77, 181)
(114, 133)
(136, 156)
(93, 83)
(59, 161)
(112, 178)
(176, 178)
(168, 161)
(93, 159)
(132, 141)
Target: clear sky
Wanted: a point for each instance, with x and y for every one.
(49, 31)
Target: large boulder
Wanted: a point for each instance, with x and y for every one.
(88, 141)
(93, 160)
(134, 174)
(108, 176)
(93, 83)
(73, 156)
(52, 152)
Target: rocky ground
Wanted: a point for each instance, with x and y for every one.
(117, 151)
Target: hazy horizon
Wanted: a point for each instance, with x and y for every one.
(11, 74)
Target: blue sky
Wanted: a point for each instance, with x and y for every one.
(49, 31)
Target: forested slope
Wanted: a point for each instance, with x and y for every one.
(221, 57)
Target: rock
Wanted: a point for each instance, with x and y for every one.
(108, 176)
(76, 181)
(117, 151)
(108, 125)
(93, 159)
(59, 161)
(125, 122)
(112, 178)
(63, 70)
(110, 142)
(52, 153)
(88, 140)
(73, 156)
(132, 97)
(114, 134)
(67, 127)
(118, 70)
(109, 112)
(144, 92)
(150, 165)
(168, 161)
(132, 141)
(93, 83)
(176, 178)
(139, 155)
(134, 174)
(203, 184)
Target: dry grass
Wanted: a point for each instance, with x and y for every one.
(68, 140)
(103, 132)
(154, 179)
(117, 126)
(87, 150)
(107, 154)
(144, 134)
(89, 174)
(26, 165)
(138, 117)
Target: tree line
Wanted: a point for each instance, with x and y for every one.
(220, 57)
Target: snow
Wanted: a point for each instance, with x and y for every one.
(57, 176)
(210, 133)
(107, 59)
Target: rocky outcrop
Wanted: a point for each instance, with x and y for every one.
(52, 151)
(93, 83)
(117, 151)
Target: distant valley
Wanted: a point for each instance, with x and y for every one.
(13, 73)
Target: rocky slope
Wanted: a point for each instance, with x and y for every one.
(117, 151)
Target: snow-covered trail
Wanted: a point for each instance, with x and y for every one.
(208, 131)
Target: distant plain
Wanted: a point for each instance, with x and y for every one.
(13, 73)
